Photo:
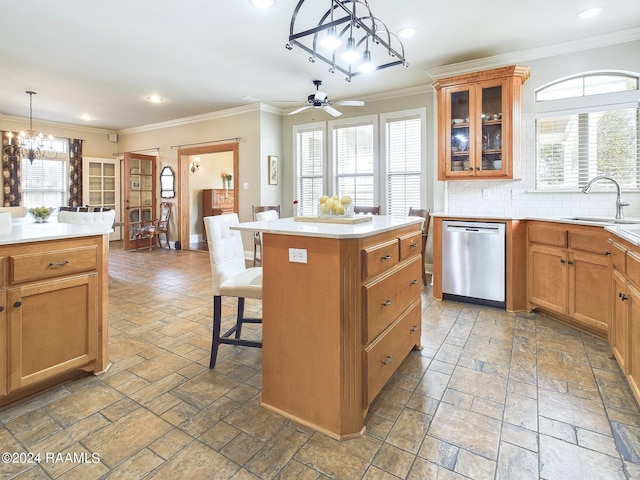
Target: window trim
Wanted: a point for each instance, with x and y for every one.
(302, 128)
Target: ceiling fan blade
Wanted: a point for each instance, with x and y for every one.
(350, 103)
(320, 95)
(298, 110)
(331, 111)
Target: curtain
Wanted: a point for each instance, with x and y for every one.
(11, 174)
(75, 172)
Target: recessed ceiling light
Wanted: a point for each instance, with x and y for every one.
(407, 32)
(155, 99)
(263, 3)
(590, 13)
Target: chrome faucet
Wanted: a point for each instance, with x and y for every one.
(619, 202)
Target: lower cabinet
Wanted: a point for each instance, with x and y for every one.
(568, 273)
(53, 318)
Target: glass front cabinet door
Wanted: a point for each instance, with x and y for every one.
(479, 124)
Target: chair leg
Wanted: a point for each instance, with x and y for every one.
(217, 320)
(240, 317)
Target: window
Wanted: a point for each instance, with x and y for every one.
(354, 162)
(596, 133)
(44, 182)
(391, 177)
(404, 160)
(310, 168)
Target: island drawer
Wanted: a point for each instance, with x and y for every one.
(384, 356)
(410, 245)
(593, 240)
(378, 258)
(618, 256)
(55, 263)
(386, 298)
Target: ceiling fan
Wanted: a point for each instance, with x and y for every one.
(319, 99)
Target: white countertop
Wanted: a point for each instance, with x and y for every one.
(24, 230)
(287, 226)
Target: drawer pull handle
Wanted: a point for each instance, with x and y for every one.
(387, 360)
(607, 252)
(59, 264)
(387, 303)
(622, 296)
(414, 282)
(570, 262)
(414, 245)
(386, 257)
(1, 308)
(414, 329)
(17, 303)
(562, 260)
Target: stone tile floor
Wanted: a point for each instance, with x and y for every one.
(493, 395)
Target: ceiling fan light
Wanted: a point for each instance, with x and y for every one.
(331, 41)
(350, 54)
(367, 65)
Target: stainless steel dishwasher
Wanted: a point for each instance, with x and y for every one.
(473, 262)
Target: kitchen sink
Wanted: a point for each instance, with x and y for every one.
(608, 220)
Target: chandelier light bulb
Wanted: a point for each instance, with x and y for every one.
(331, 41)
(350, 55)
(366, 66)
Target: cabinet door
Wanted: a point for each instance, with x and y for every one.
(459, 129)
(3, 343)
(492, 115)
(52, 328)
(619, 333)
(633, 359)
(589, 287)
(547, 278)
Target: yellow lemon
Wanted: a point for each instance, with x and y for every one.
(346, 200)
(339, 209)
(323, 198)
(335, 197)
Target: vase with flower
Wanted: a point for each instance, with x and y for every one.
(296, 212)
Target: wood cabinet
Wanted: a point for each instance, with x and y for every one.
(479, 124)
(568, 274)
(337, 327)
(625, 298)
(54, 320)
(216, 201)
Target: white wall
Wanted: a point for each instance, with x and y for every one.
(517, 197)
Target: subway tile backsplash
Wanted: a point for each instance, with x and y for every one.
(518, 197)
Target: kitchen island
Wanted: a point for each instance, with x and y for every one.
(53, 305)
(341, 310)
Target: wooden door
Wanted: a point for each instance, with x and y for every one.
(547, 278)
(589, 290)
(619, 333)
(139, 178)
(633, 343)
(101, 187)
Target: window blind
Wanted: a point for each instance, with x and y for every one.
(404, 152)
(354, 161)
(572, 148)
(310, 170)
(44, 183)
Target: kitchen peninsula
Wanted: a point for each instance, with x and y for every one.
(53, 305)
(341, 310)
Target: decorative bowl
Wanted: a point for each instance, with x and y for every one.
(456, 121)
(41, 214)
(335, 207)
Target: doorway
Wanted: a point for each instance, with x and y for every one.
(186, 158)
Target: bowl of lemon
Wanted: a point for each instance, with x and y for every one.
(335, 206)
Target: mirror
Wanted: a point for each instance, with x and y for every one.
(167, 183)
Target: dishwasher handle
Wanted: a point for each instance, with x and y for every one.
(472, 229)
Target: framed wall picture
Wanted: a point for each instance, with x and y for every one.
(273, 170)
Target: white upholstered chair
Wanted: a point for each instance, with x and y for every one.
(257, 236)
(104, 219)
(230, 278)
(16, 212)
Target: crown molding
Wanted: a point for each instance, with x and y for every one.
(615, 38)
(230, 112)
(71, 126)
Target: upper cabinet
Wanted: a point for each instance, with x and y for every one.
(479, 124)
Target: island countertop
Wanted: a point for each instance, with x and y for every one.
(25, 230)
(288, 226)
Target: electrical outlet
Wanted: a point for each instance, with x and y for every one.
(298, 255)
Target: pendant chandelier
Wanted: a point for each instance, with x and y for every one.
(347, 36)
(29, 144)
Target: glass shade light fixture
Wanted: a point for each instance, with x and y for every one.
(195, 165)
(29, 144)
(349, 24)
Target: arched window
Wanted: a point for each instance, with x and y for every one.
(588, 125)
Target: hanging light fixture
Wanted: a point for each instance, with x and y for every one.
(30, 142)
(363, 35)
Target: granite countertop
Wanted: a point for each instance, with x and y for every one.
(287, 226)
(24, 230)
